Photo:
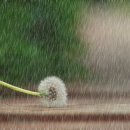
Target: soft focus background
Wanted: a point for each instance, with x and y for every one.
(78, 40)
(84, 42)
(38, 39)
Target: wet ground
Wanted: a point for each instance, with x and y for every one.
(92, 113)
(65, 126)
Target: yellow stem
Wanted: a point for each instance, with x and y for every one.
(20, 89)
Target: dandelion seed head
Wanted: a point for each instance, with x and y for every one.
(55, 90)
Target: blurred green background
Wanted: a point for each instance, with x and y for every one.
(38, 39)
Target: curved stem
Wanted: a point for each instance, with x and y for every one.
(20, 89)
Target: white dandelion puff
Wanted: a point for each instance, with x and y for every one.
(55, 90)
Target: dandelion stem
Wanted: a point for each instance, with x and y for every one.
(21, 89)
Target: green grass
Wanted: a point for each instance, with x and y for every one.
(38, 39)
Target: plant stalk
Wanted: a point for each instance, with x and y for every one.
(20, 89)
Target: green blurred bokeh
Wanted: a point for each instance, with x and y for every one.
(38, 39)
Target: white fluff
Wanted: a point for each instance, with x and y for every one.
(60, 88)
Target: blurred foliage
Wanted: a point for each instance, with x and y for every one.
(38, 39)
